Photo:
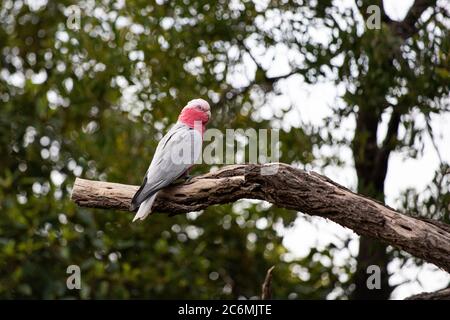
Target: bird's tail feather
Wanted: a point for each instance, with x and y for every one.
(145, 208)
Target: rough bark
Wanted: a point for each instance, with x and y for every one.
(289, 188)
(443, 294)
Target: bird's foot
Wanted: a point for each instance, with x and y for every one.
(183, 179)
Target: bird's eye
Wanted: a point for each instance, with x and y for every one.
(198, 107)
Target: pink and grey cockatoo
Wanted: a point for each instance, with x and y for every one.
(176, 153)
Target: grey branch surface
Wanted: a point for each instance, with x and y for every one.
(290, 188)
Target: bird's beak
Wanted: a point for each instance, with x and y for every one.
(209, 114)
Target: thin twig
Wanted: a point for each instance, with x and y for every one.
(267, 285)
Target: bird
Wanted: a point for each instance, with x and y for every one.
(175, 154)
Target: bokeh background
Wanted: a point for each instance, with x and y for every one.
(369, 108)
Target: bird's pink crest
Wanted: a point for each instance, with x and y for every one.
(196, 114)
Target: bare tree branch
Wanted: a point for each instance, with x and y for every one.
(443, 294)
(389, 143)
(289, 188)
(270, 80)
(285, 76)
(266, 292)
(408, 27)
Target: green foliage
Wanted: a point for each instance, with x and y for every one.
(79, 119)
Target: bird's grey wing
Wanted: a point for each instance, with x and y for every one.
(176, 152)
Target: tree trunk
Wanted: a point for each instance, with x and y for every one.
(371, 161)
(371, 170)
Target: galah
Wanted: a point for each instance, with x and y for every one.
(176, 153)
